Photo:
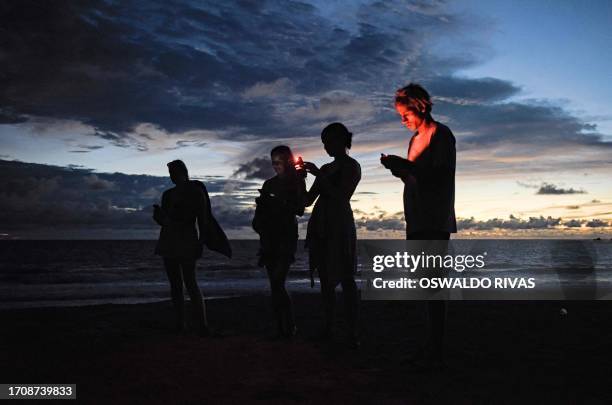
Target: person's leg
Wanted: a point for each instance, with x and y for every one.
(351, 306)
(275, 296)
(173, 271)
(328, 294)
(285, 298)
(197, 303)
(436, 309)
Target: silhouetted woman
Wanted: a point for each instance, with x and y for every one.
(331, 236)
(281, 199)
(179, 242)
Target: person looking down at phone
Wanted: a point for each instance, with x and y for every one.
(428, 173)
(280, 201)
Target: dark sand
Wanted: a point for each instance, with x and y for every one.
(498, 352)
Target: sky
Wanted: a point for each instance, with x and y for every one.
(96, 97)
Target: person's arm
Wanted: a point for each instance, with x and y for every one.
(398, 166)
(159, 213)
(296, 204)
(312, 194)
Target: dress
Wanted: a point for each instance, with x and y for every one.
(280, 200)
(181, 207)
(331, 236)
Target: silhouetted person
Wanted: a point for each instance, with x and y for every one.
(331, 236)
(180, 244)
(428, 173)
(281, 199)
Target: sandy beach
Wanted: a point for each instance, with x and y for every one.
(498, 352)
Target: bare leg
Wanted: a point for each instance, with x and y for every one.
(173, 271)
(328, 293)
(197, 303)
(350, 294)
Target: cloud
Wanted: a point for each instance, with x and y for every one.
(93, 182)
(278, 88)
(597, 223)
(474, 91)
(573, 223)
(380, 220)
(547, 188)
(259, 168)
(86, 148)
(511, 223)
(43, 195)
(134, 77)
(184, 144)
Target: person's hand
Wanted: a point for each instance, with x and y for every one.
(384, 160)
(391, 161)
(312, 168)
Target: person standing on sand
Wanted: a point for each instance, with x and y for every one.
(331, 235)
(281, 199)
(428, 173)
(180, 244)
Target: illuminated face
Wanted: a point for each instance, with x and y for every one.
(409, 117)
(278, 164)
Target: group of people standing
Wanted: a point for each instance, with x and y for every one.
(428, 174)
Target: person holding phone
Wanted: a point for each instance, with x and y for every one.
(280, 201)
(428, 174)
(331, 236)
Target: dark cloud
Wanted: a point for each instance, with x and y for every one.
(86, 148)
(265, 69)
(381, 221)
(511, 223)
(183, 66)
(470, 91)
(185, 144)
(259, 168)
(573, 223)
(597, 223)
(547, 188)
(43, 195)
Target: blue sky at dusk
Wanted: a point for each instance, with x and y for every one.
(96, 97)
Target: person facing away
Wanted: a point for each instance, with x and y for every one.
(280, 201)
(331, 236)
(179, 242)
(428, 173)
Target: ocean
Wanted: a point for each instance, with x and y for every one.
(80, 272)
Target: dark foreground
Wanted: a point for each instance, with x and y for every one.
(500, 352)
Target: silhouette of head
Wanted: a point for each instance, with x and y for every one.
(282, 159)
(413, 104)
(336, 139)
(178, 171)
